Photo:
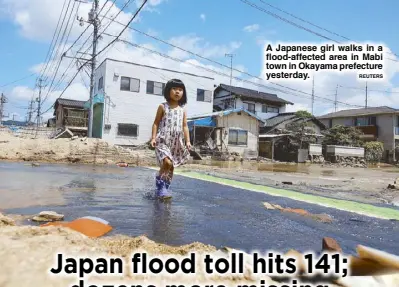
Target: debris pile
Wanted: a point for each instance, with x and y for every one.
(395, 184)
(71, 150)
(46, 216)
(341, 161)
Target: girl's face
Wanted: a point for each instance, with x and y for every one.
(176, 93)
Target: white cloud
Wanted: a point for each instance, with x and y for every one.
(203, 17)
(197, 45)
(36, 24)
(251, 28)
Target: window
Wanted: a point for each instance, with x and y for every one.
(250, 107)
(129, 130)
(204, 95)
(100, 84)
(130, 84)
(155, 88)
(238, 137)
(268, 109)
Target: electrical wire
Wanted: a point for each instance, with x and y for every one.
(294, 24)
(224, 74)
(109, 44)
(210, 60)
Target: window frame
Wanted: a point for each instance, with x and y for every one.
(119, 134)
(203, 91)
(130, 85)
(153, 88)
(236, 142)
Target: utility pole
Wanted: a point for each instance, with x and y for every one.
(93, 19)
(3, 100)
(30, 112)
(39, 101)
(313, 96)
(336, 99)
(366, 95)
(231, 66)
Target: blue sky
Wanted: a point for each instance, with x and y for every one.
(207, 27)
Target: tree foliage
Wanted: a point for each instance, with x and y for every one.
(373, 151)
(300, 132)
(342, 135)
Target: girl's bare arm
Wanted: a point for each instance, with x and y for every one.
(158, 118)
(185, 129)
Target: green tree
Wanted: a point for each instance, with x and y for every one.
(342, 135)
(373, 151)
(299, 130)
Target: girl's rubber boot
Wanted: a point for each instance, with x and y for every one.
(158, 185)
(164, 191)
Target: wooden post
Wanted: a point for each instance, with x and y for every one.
(272, 149)
(194, 136)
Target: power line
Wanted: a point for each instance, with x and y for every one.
(223, 65)
(313, 96)
(336, 99)
(221, 73)
(80, 68)
(295, 24)
(15, 81)
(124, 29)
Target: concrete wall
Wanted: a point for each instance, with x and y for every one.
(139, 108)
(240, 122)
(386, 132)
(345, 151)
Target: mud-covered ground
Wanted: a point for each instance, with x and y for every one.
(368, 185)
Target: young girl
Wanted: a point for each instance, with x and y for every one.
(169, 132)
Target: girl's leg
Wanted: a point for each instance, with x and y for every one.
(165, 177)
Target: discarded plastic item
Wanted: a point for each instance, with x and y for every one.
(122, 164)
(88, 225)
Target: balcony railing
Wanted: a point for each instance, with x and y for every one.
(369, 130)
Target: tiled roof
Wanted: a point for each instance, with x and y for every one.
(225, 113)
(360, 112)
(271, 122)
(253, 94)
(70, 103)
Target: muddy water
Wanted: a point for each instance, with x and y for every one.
(200, 211)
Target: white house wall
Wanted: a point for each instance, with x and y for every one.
(139, 107)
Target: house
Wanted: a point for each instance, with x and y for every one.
(274, 131)
(71, 114)
(127, 96)
(228, 131)
(262, 104)
(376, 123)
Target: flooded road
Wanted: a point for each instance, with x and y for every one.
(200, 211)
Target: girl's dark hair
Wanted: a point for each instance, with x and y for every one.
(175, 83)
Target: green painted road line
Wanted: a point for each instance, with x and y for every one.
(340, 204)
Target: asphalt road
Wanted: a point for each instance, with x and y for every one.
(200, 211)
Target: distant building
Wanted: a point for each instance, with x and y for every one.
(275, 130)
(377, 124)
(232, 131)
(71, 114)
(128, 95)
(263, 105)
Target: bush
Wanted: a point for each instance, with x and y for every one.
(373, 151)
